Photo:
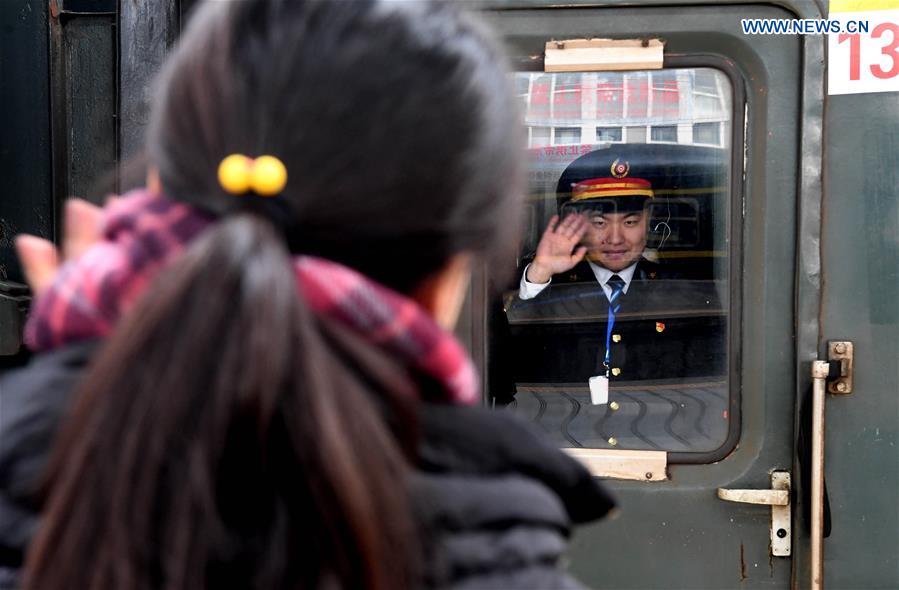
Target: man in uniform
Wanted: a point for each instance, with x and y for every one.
(603, 235)
(597, 318)
(591, 304)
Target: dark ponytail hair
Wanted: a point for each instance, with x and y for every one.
(395, 119)
(220, 441)
(225, 436)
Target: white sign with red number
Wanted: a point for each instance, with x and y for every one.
(864, 62)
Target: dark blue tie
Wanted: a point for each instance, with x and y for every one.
(617, 285)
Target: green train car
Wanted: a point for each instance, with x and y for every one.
(775, 212)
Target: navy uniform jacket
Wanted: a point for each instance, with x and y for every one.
(667, 328)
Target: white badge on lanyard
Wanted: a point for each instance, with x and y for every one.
(599, 390)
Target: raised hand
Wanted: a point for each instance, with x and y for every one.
(39, 257)
(558, 250)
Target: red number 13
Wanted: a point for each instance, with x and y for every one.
(891, 51)
(855, 50)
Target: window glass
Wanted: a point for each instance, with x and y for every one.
(567, 135)
(636, 95)
(636, 134)
(567, 97)
(663, 133)
(707, 133)
(541, 136)
(537, 98)
(609, 95)
(705, 80)
(665, 96)
(642, 160)
(708, 95)
(608, 134)
(522, 88)
(522, 85)
(706, 106)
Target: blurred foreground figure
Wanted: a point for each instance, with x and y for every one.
(274, 398)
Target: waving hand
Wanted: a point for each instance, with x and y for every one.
(558, 250)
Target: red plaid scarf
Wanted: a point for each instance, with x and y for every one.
(143, 232)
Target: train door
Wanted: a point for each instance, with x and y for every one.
(860, 303)
(715, 133)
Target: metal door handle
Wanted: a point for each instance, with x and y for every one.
(778, 497)
(767, 497)
(838, 370)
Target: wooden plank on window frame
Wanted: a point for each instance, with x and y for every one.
(615, 464)
(597, 55)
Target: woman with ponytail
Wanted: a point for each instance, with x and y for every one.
(249, 375)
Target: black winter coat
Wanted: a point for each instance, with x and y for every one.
(496, 502)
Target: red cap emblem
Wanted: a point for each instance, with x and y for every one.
(620, 169)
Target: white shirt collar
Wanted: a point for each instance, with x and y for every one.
(603, 275)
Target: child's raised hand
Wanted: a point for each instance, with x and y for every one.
(41, 259)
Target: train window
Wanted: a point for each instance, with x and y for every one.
(614, 333)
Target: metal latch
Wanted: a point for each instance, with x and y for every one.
(778, 497)
(840, 354)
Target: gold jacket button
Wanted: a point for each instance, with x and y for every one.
(616, 337)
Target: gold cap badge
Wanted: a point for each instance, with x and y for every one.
(620, 169)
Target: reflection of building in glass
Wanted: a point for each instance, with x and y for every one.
(686, 106)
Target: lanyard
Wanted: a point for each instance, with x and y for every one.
(614, 306)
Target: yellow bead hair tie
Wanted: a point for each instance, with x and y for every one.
(265, 176)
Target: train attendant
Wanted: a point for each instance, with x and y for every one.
(592, 307)
(602, 238)
(256, 359)
(600, 241)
